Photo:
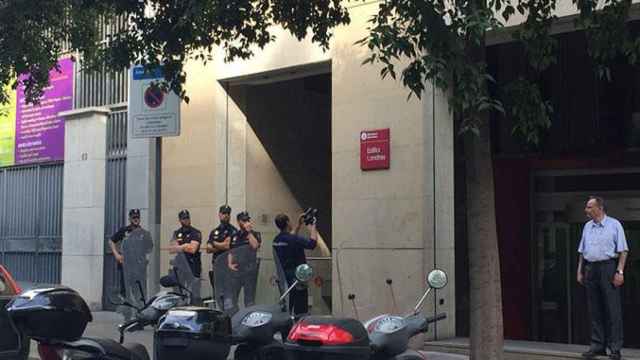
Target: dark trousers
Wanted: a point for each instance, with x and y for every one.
(222, 283)
(247, 280)
(299, 300)
(604, 303)
(130, 291)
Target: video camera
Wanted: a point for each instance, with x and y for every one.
(310, 216)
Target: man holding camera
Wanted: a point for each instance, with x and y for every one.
(289, 247)
(243, 263)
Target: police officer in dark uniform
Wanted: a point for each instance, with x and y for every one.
(219, 244)
(130, 246)
(289, 250)
(187, 239)
(243, 262)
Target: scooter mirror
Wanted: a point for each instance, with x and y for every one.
(304, 273)
(437, 279)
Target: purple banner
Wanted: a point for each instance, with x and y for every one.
(39, 129)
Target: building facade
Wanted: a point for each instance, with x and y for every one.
(282, 132)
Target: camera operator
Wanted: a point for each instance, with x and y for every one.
(289, 249)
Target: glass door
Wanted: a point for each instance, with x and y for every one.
(631, 288)
(581, 323)
(552, 297)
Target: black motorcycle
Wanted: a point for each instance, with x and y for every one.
(56, 318)
(255, 328)
(154, 308)
(385, 337)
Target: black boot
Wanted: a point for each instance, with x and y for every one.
(615, 355)
(592, 354)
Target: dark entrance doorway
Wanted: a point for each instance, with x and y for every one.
(559, 305)
(288, 161)
(590, 149)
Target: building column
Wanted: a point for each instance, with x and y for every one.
(439, 207)
(143, 179)
(83, 202)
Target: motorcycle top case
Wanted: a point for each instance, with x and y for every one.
(50, 314)
(193, 333)
(327, 338)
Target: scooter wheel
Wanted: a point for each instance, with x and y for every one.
(272, 352)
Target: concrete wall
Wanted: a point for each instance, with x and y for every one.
(83, 202)
(384, 223)
(188, 167)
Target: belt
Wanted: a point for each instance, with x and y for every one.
(601, 262)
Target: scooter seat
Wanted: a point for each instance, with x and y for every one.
(110, 347)
(138, 350)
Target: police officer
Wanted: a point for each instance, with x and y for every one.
(603, 253)
(243, 262)
(130, 246)
(187, 239)
(219, 244)
(289, 250)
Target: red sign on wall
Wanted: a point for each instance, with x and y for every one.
(375, 149)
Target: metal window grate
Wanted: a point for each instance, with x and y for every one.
(31, 221)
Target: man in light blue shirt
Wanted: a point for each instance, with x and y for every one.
(603, 254)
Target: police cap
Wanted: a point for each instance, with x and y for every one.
(225, 209)
(184, 214)
(243, 216)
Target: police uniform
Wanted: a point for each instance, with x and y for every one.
(135, 243)
(289, 254)
(219, 234)
(220, 277)
(185, 235)
(246, 258)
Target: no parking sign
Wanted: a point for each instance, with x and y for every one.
(152, 111)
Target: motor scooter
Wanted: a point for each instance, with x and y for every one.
(255, 328)
(158, 305)
(56, 318)
(385, 337)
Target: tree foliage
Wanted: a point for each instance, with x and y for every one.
(437, 36)
(440, 41)
(33, 35)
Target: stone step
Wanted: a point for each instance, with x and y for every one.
(524, 350)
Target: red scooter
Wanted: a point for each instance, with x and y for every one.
(385, 337)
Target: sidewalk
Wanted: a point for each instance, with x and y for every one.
(526, 350)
